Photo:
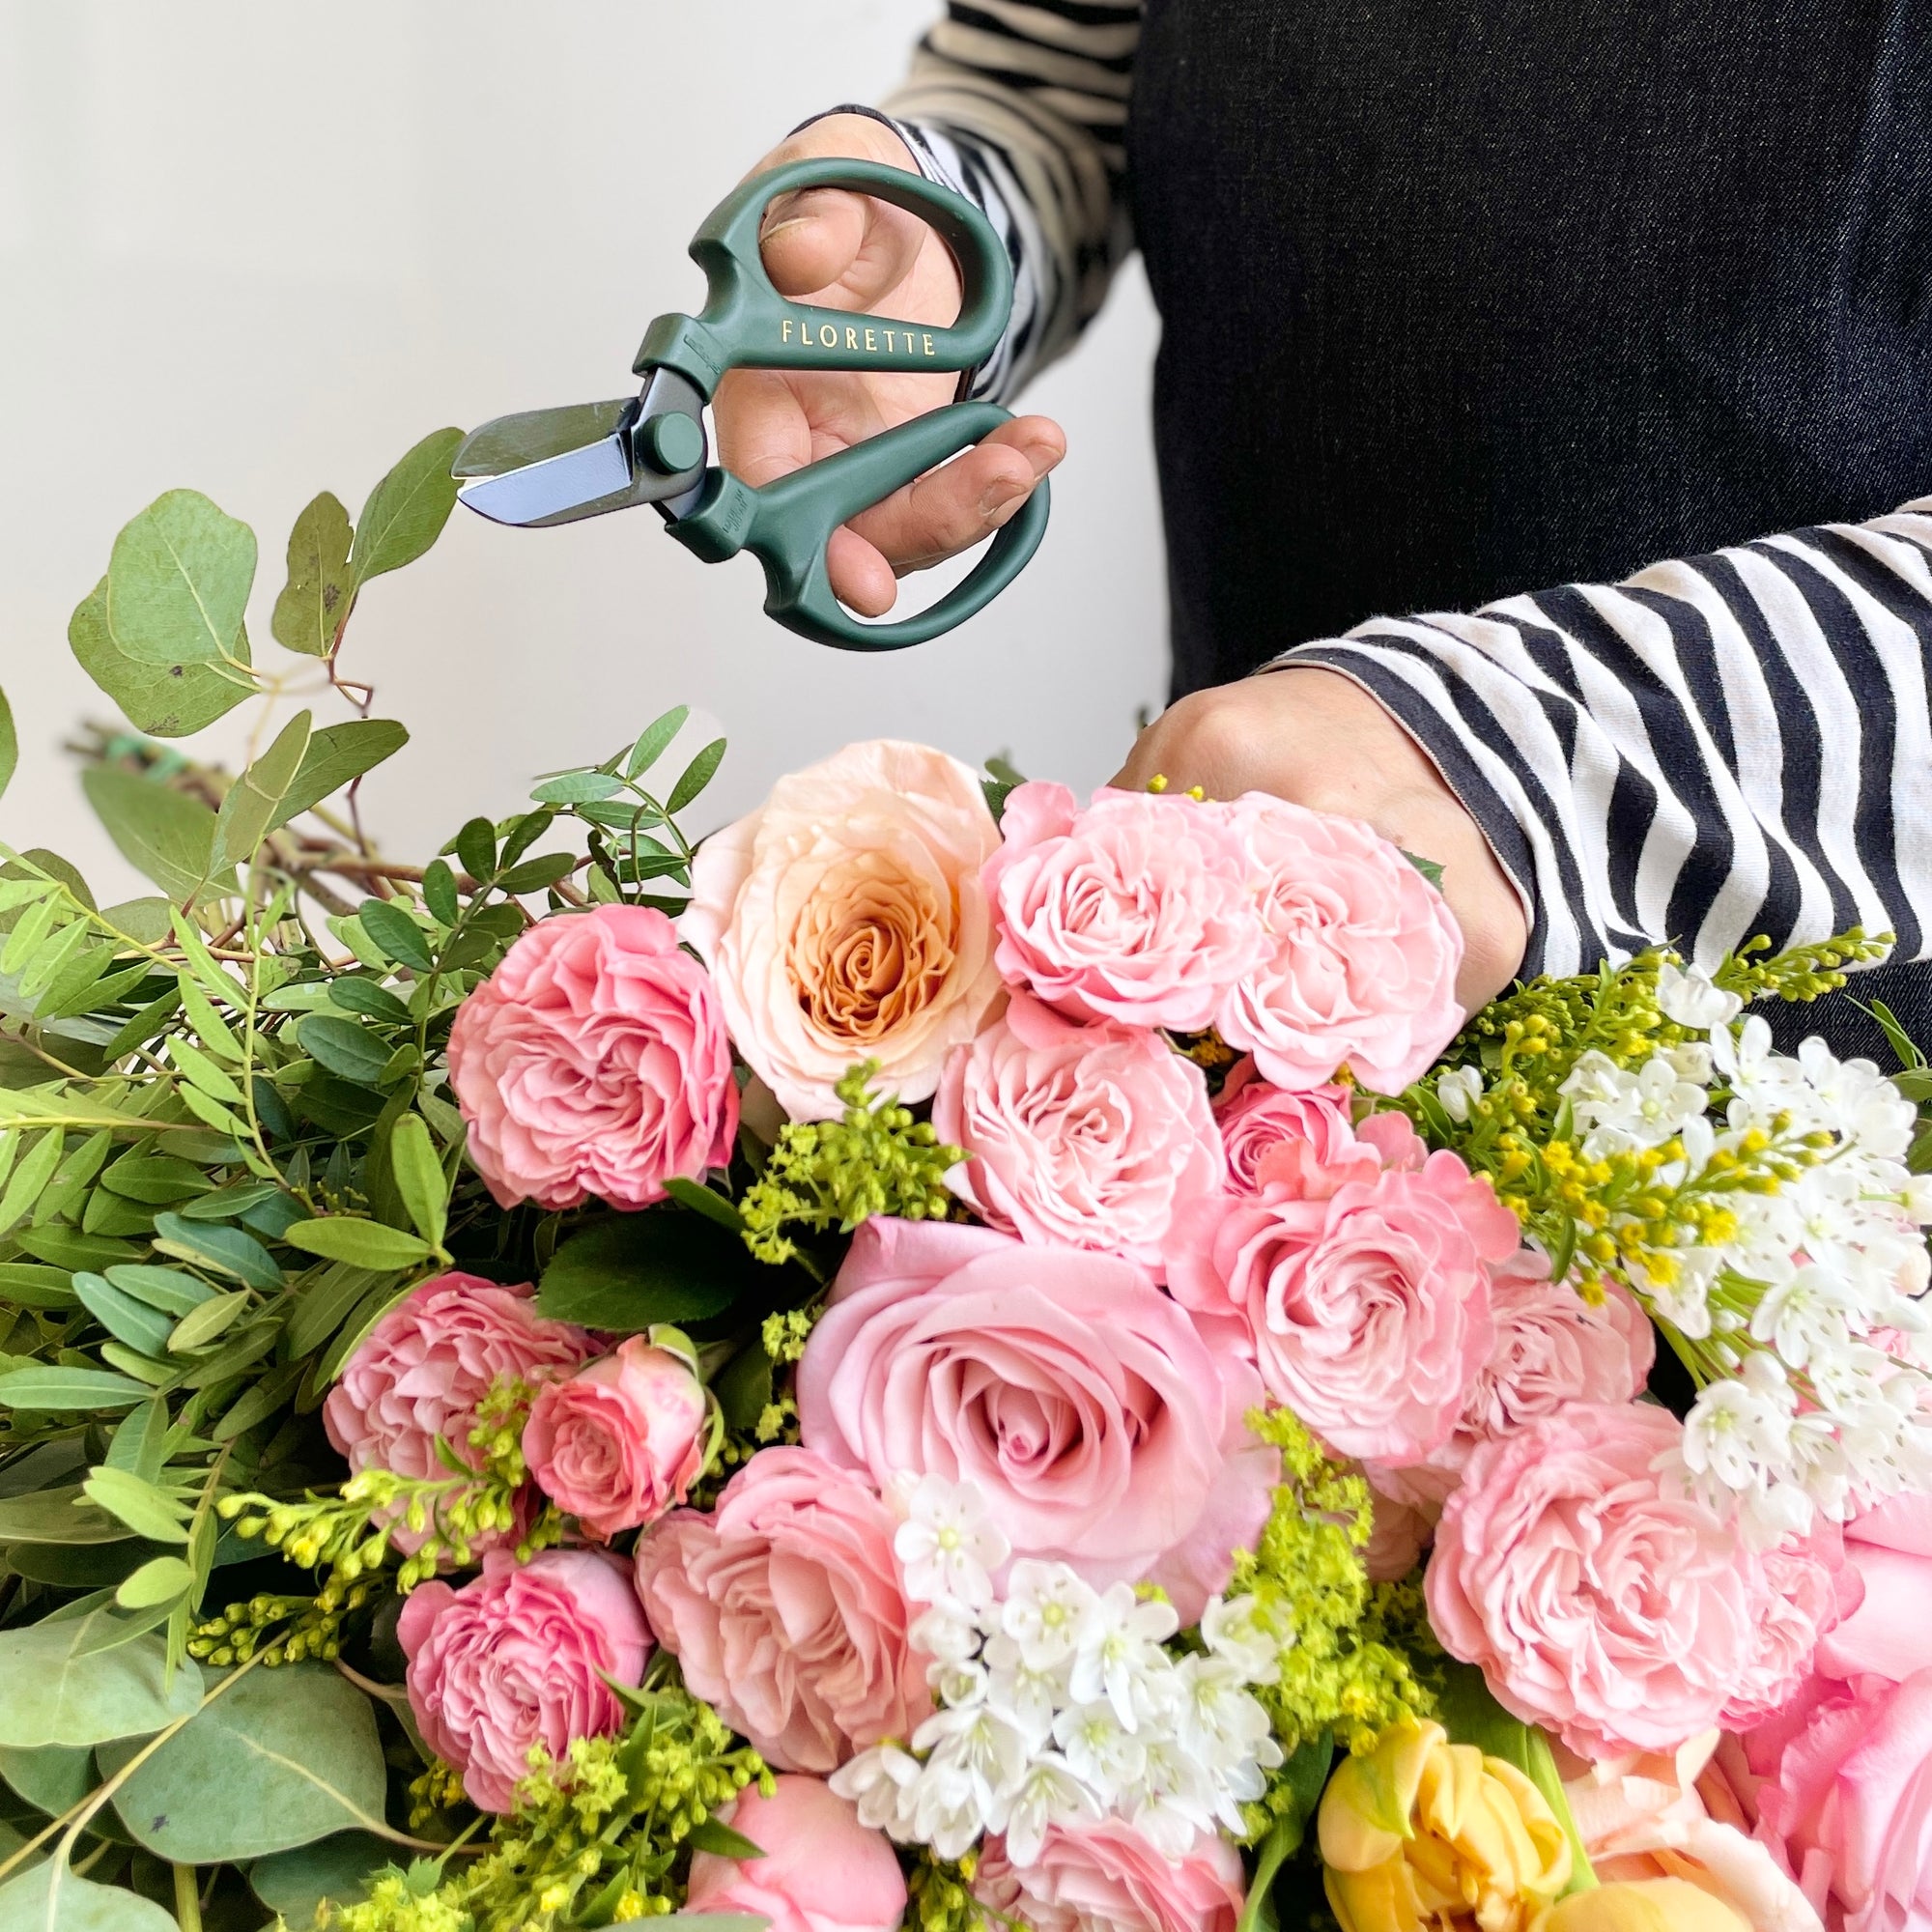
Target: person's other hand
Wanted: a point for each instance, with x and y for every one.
(1319, 739)
(848, 251)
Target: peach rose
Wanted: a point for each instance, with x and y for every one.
(622, 1440)
(593, 1061)
(1135, 909)
(1595, 1603)
(822, 1870)
(518, 1656)
(1101, 1429)
(1085, 1135)
(844, 920)
(1105, 1877)
(1362, 952)
(785, 1609)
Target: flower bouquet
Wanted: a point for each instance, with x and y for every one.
(940, 1355)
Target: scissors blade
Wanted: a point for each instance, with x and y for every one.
(556, 489)
(533, 436)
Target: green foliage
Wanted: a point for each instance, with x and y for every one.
(164, 834)
(315, 602)
(179, 580)
(49, 1898)
(296, 1883)
(64, 1689)
(636, 1270)
(10, 743)
(407, 510)
(828, 1175)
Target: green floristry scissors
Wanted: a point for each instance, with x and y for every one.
(555, 466)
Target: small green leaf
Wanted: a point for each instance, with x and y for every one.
(42, 1387)
(28, 1285)
(477, 848)
(202, 1326)
(201, 1072)
(630, 1272)
(713, 1834)
(160, 832)
(140, 1440)
(179, 580)
(343, 1047)
(337, 755)
(146, 1510)
(1429, 868)
(130, 1320)
(576, 788)
(395, 932)
(365, 1245)
(705, 1201)
(59, 1516)
(10, 743)
(226, 1250)
(169, 700)
(314, 603)
(295, 1882)
(407, 510)
(1303, 1776)
(523, 835)
(156, 1179)
(33, 1172)
(654, 741)
(373, 1001)
(205, 1017)
(696, 776)
(744, 1387)
(419, 1178)
(534, 875)
(256, 798)
(159, 1580)
(323, 1304)
(438, 891)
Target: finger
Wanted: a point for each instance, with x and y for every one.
(846, 249)
(952, 508)
(763, 429)
(862, 579)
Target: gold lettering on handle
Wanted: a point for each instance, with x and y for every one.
(828, 336)
(929, 346)
(889, 341)
(870, 346)
(851, 338)
(785, 329)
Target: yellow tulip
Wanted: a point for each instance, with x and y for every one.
(1644, 1905)
(1423, 1835)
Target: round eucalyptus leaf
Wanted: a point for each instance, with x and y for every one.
(58, 1692)
(339, 1868)
(48, 1898)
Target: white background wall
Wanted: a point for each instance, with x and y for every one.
(260, 247)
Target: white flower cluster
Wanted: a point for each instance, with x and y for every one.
(1060, 1703)
(1811, 1312)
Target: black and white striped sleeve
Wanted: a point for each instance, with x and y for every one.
(1717, 747)
(1022, 106)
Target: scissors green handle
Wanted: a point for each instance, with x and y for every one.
(747, 323)
(555, 466)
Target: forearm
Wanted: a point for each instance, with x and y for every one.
(1718, 748)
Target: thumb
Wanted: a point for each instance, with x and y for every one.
(813, 240)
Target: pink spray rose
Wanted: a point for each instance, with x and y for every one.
(1361, 958)
(1083, 1135)
(421, 1370)
(514, 1658)
(1596, 1604)
(844, 920)
(822, 1870)
(785, 1609)
(1255, 1116)
(593, 1061)
(1552, 1347)
(622, 1440)
(1082, 1401)
(1136, 908)
(1806, 1588)
(1106, 1877)
(1362, 1295)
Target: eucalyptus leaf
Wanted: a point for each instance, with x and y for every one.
(254, 802)
(363, 1244)
(628, 1273)
(163, 833)
(314, 603)
(295, 1882)
(337, 755)
(179, 580)
(284, 1758)
(168, 701)
(407, 510)
(60, 1693)
(52, 1777)
(48, 1897)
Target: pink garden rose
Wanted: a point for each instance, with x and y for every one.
(1136, 908)
(1595, 1603)
(1361, 1295)
(622, 1440)
(1082, 1135)
(514, 1658)
(1255, 1116)
(785, 1610)
(593, 1062)
(1083, 1402)
(1552, 1347)
(844, 920)
(1359, 970)
(1805, 1589)
(421, 1370)
(822, 1870)
(1106, 1877)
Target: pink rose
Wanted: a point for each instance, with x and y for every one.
(1107, 1878)
(822, 1870)
(1805, 1589)
(1399, 1532)
(421, 1370)
(1887, 1631)
(1594, 1604)
(785, 1610)
(1362, 954)
(1552, 1347)
(1255, 1118)
(1136, 909)
(1080, 1400)
(1083, 1135)
(514, 1658)
(593, 1061)
(844, 920)
(1361, 1296)
(622, 1440)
